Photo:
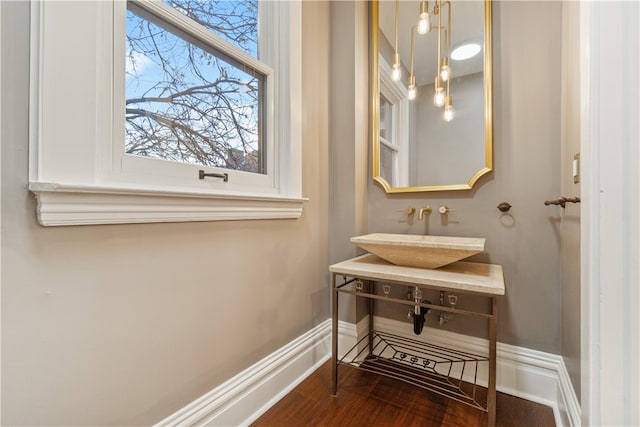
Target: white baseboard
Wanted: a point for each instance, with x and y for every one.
(529, 374)
(568, 403)
(533, 375)
(243, 398)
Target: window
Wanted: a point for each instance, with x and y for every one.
(394, 122)
(131, 101)
(185, 101)
(388, 145)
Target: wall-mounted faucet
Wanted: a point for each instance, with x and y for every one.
(426, 210)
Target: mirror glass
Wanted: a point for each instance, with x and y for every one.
(431, 128)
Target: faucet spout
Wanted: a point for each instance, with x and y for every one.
(426, 210)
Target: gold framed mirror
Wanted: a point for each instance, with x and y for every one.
(431, 129)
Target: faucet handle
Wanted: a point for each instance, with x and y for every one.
(444, 209)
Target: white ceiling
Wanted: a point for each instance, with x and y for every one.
(467, 24)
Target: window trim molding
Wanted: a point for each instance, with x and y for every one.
(400, 129)
(82, 193)
(85, 205)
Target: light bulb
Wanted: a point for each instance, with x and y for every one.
(411, 88)
(445, 72)
(438, 98)
(448, 110)
(424, 26)
(448, 113)
(396, 73)
(411, 93)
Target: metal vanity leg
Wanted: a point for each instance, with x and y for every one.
(491, 393)
(371, 307)
(334, 336)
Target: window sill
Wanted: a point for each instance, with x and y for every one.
(63, 204)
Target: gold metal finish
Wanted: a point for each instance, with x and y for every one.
(375, 109)
(396, 56)
(412, 78)
(426, 210)
(424, 7)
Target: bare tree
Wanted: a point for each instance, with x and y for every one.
(184, 101)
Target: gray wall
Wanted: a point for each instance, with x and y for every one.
(348, 166)
(449, 152)
(526, 242)
(124, 324)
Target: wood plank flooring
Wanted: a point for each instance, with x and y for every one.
(366, 399)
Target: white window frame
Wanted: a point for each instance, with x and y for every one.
(396, 94)
(151, 171)
(78, 169)
(390, 142)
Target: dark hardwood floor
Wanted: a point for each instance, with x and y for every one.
(366, 399)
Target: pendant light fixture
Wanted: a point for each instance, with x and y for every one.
(424, 25)
(448, 109)
(442, 94)
(443, 73)
(411, 88)
(438, 98)
(396, 72)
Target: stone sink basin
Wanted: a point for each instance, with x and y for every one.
(411, 250)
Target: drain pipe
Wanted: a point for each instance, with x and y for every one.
(418, 311)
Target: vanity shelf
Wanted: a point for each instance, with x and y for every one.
(447, 371)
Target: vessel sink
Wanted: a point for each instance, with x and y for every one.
(411, 250)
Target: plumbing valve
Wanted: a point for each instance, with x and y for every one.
(453, 300)
(359, 285)
(386, 289)
(444, 209)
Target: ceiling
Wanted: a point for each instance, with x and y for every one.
(467, 24)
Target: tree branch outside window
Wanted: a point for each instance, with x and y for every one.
(184, 102)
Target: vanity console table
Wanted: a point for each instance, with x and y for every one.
(441, 369)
